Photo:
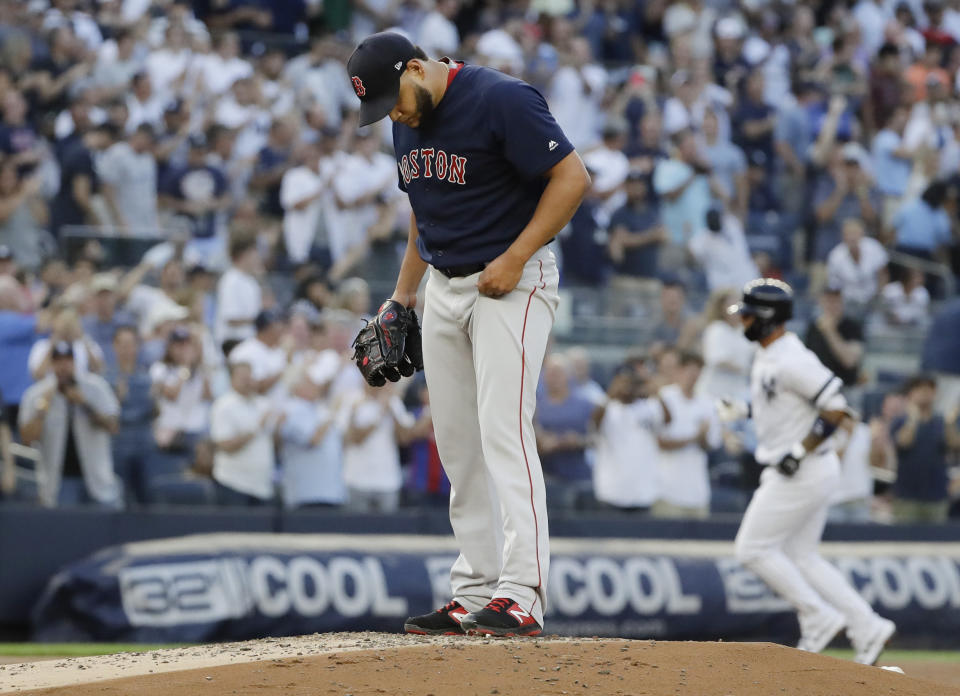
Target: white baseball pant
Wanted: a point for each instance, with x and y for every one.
(482, 360)
(778, 540)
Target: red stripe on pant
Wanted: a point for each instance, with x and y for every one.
(523, 447)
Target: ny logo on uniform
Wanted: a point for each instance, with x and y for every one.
(769, 386)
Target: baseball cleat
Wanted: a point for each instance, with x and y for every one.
(501, 617)
(819, 638)
(445, 621)
(872, 644)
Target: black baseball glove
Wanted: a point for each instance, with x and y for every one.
(388, 347)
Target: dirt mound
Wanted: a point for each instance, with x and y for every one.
(362, 664)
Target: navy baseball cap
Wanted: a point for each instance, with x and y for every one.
(375, 69)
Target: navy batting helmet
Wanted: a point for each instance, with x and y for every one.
(770, 301)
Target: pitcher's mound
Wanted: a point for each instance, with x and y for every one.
(402, 665)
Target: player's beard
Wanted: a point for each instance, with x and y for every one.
(424, 105)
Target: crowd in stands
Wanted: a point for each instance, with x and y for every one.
(189, 221)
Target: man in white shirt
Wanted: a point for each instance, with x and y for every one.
(608, 167)
(371, 461)
(365, 191)
(720, 248)
(438, 35)
(575, 93)
(856, 265)
(266, 358)
(302, 193)
(625, 465)
(693, 430)
(239, 297)
(241, 428)
(143, 104)
(220, 69)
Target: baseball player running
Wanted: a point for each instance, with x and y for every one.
(491, 180)
(796, 405)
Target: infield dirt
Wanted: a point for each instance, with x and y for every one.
(367, 664)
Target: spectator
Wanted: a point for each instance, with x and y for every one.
(273, 161)
(171, 146)
(303, 191)
(239, 297)
(69, 415)
(755, 120)
(561, 424)
(625, 473)
(683, 187)
(836, 339)
(581, 381)
(102, 324)
(922, 438)
(727, 354)
(144, 105)
(118, 60)
(79, 182)
(886, 87)
(906, 302)
(920, 75)
(922, 227)
(241, 428)
(130, 380)
(312, 447)
(197, 193)
(438, 34)
(608, 168)
(720, 248)
(883, 451)
(426, 481)
(677, 324)
(794, 134)
(23, 216)
(181, 391)
(857, 266)
(364, 191)
(852, 497)
(892, 161)
(635, 235)
(728, 167)
(844, 191)
(376, 421)
(66, 328)
(648, 151)
(17, 334)
(17, 136)
(692, 431)
(128, 173)
(8, 472)
(218, 71)
(575, 94)
(265, 355)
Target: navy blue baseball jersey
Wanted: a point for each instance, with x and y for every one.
(474, 171)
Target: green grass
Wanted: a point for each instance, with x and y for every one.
(77, 649)
(901, 657)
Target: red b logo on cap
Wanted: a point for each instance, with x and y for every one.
(358, 86)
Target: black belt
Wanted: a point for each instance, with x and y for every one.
(462, 271)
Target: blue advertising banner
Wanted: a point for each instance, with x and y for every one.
(219, 587)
